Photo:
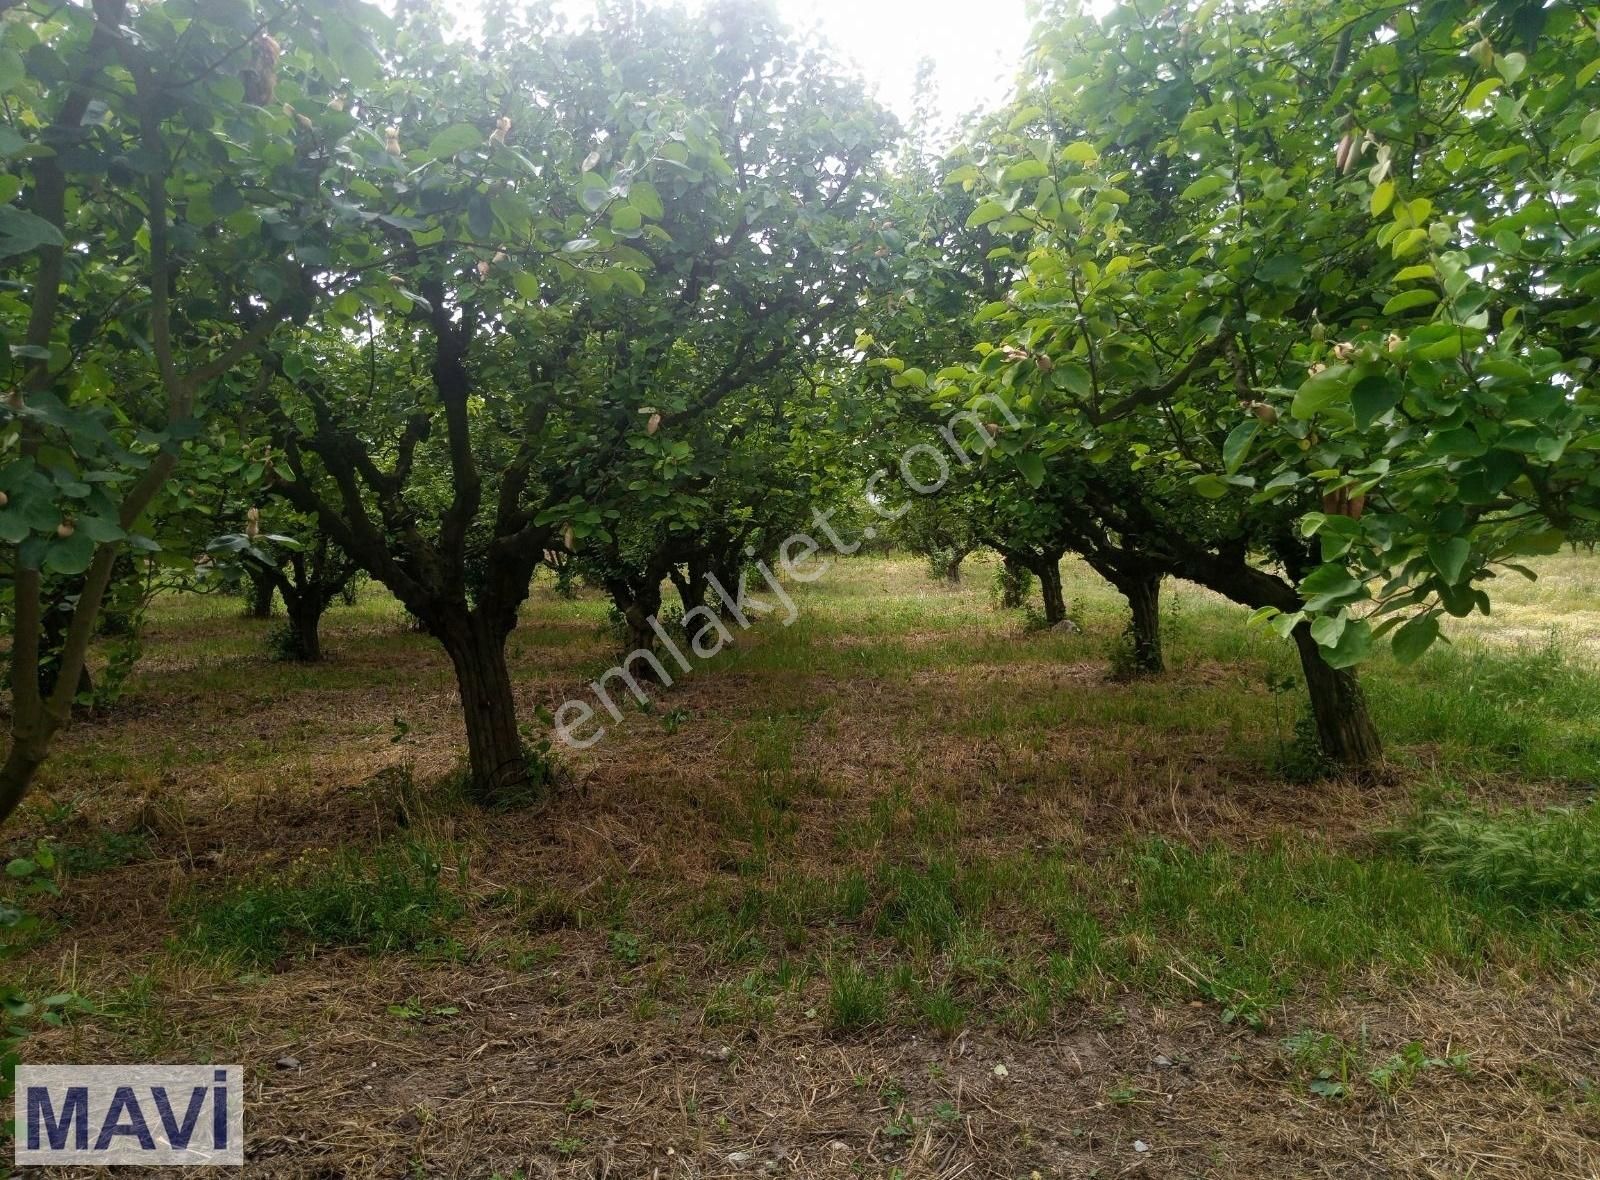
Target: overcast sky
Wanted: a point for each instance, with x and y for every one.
(975, 45)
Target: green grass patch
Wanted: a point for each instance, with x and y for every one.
(1539, 859)
(1016, 938)
(393, 898)
(1251, 926)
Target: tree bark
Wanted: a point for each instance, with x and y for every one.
(305, 620)
(495, 756)
(727, 568)
(22, 762)
(261, 588)
(639, 600)
(952, 569)
(1055, 603)
(1144, 625)
(690, 583)
(1013, 583)
(1345, 729)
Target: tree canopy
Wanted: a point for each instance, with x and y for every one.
(1295, 301)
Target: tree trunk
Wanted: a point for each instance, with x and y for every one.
(497, 761)
(1013, 583)
(1345, 730)
(690, 583)
(726, 569)
(1144, 626)
(952, 569)
(305, 621)
(261, 589)
(642, 604)
(1055, 603)
(16, 773)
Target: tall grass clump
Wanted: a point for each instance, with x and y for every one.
(1530, 859)
(1525, 709)
(389, 899)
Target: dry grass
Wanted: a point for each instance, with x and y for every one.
(580, 1021)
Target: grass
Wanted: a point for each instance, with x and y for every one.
(1530, 860)
(382, 900)
(1243, 929)
(870, 858)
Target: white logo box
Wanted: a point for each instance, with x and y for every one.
(155, 1115)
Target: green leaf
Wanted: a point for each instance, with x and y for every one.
(1327, 629)
(1210, 486)
(1510, 65)
(1406, 300)
(593, 191)
(458, 137)
(1023, 117)
(986, 212)
(1329, 586)
(1203, 187)
(1449, 557)
(1354, 645)
(1073, 377)
(1320, 391)
(643, 197)
(1480, 93)
(69, 555)
(1372, 398)
(1416, 637)
(630, 281)
(1382, 196)
(480, 216)
(1237, 447)
(21, 231)
(1024, 171)
(1031, 466)
(1420, 271)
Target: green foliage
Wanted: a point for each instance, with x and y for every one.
(1412, 409)
(393, 898)
(1401, 1070)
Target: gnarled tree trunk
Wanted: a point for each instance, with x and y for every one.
(637, 598)
(477, 649)
(727, 567)
(305, 619)
(1345, 730)
(1055, 603)
(1013, 582)
(1144, 624)
(689, 580)
(261, 588)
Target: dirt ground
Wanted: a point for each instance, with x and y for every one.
(517, 1050)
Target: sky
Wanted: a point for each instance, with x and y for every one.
(975, 47)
